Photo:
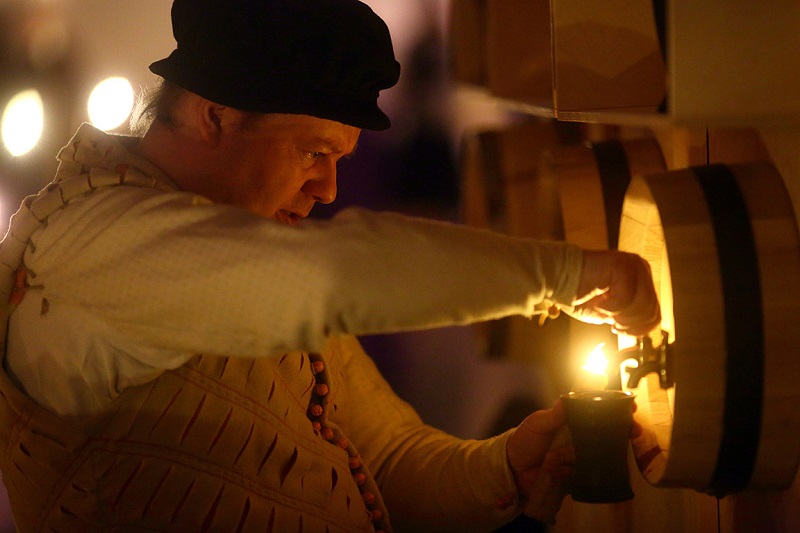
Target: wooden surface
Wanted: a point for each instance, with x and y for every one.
(467, 40)
(519, 51)
(606, 56)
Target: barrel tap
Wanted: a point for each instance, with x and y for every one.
(650, 358)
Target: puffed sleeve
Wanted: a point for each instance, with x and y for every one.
(429, 480)
(164, 272)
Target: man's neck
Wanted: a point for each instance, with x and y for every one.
(172, 152)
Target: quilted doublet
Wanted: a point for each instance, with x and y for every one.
(217, 444)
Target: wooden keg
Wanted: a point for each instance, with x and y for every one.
(592, 180)
(500, 181)
(723, 245)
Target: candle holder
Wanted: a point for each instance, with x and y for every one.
(600, 423)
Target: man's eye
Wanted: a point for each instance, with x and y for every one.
(313, 155)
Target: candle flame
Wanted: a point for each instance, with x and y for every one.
(596, 362)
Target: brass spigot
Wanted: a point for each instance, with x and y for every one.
(651, 359)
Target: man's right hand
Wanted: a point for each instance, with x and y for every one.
(617, 288)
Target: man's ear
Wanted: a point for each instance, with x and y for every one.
(211, 120)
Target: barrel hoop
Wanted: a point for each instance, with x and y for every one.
(615, 176)
(744, 329)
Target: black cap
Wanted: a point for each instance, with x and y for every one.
(325, 58)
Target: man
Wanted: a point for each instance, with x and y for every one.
(180, 350)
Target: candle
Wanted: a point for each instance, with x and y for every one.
(592, 375)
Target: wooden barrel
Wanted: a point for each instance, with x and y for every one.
(500, 185)
(592, 180)
(723, 245)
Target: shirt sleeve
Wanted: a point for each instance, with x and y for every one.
(170, 272)
(430, 480)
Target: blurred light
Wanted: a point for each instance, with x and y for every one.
(23, 121)
(596, 362)
(110, 103)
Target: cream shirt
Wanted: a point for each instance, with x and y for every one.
(127, 281)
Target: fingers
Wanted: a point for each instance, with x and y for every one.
(636, 430)
(559, 462)
(544, 487)
(637, 303)
(617, 288)
(593, 311)
(530, 442)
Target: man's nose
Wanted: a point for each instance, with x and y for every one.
(322, 186)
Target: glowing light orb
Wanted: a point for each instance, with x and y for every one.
(596, 362)
(110, 103)
(23, 122)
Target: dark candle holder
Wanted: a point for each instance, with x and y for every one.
(600, 423)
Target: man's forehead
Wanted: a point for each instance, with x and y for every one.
(306, 128)
(329, 134)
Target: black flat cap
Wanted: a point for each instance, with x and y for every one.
(325, 58)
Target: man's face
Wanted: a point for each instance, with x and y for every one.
(279, 165)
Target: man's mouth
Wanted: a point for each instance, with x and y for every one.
(288, 217)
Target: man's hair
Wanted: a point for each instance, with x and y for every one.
(161, 102)
(158, 102)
